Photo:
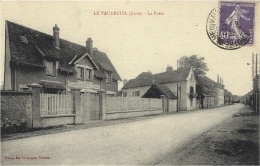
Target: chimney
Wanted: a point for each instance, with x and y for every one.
(89, 47)
(56, 36)
(169, 69)
(218, 79)
(124, 82)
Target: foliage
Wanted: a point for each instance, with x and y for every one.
(13, 126)
(200, 67)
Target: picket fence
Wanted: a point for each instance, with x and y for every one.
(119, 104)
(56, 104)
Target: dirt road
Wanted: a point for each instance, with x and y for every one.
(141, 142)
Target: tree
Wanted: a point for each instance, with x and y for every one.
(200, 69)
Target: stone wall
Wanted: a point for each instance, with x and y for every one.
(16, 109)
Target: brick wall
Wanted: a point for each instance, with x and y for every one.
(16, 109)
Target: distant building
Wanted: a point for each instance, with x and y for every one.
(140, 86)
(57, 64)
(213, 93)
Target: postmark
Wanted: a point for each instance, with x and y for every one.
(231, 25)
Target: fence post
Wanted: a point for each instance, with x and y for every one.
(102, 104)
(36, 110)
(77, 105)
(163, 103)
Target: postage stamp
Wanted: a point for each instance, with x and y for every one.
(231, 26)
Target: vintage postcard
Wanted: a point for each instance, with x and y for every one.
(130, 82)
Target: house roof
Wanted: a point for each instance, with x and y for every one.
(207, 82)
(40, 46)
(158, 89)
(53, 85)
(147, 79)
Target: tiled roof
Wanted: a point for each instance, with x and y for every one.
(146, 79)
(207, 82)
(102, 58)
(40, 46)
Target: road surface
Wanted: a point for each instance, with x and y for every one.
(141, 142)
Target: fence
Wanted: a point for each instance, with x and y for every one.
(55, 104)
(124, 107)
(59, 109)
(121, 104)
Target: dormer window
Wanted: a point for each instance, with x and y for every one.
(109, 77)
(84, 74)
(51, 68)
(23, 39)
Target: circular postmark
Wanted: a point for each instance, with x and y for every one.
(225, 33)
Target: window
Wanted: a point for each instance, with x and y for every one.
(136, 93)
(124, 94)
(51, 68)
(191, 89)
(88, 74)
(23, 87)
(80, 73)
(109, 78)
(84, 74)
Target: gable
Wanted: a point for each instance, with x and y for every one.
(191, 77)
(84, 62)
(156, 90)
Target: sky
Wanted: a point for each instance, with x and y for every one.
(139, 43)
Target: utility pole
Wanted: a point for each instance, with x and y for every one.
(177, 105)
(256, 94)
(257, 84)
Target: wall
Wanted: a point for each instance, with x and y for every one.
(183, 94)
(29, 75)
(120, 115)
(111, 87)
(210, 102)
(125, 107)
(90, 107)
(48, 121)
(16, 108)
(26, 75)
(172, 105)
(142, 90)
(220, 97)
(119, 104)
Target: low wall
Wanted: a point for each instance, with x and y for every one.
(16, 109)
(57, 120)
(131, 113)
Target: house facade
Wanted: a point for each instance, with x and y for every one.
(213, 93)
(56, 64)
(183, 78)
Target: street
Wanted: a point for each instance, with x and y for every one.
(141, 142)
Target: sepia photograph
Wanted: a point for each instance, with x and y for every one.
(126, 82)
